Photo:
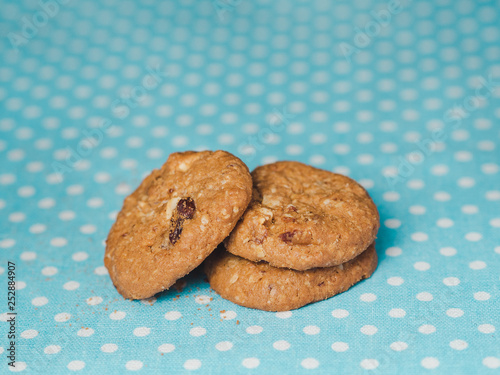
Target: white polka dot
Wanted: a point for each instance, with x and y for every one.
(482, 296)
(88, 229)
(395, 281)
(281, 345)
(7, 243)
(424, 296)
(473, 236)
(52, 349)
(39, 301)
(445, 223)
(451, 281)
(134, 365)
(369, 330)
(477, 265)
(469, 209)
(448, 251)
(391, 196)
(38, 228)
(311, 330)
(486, 328)
(228, 315)
(142, 331)
(442, 196)
(166, 348)
(440, 170)
(250, 362)
(71, 285)
(192, 364)
(417, 210)
(17, 217)
(58, 242)
(18, 366)
(493, 195)
(203, 300)
(340, 346)
(28, 255)
(491, 362)
(173, 315)
(454, 313)
(309, 363)
(399, 346)
(74, 190)
(369, 364)
(197, 331)
(94, 300)
(490, 168)
(495, 222)
(284, 314)
(85, 332)
(368, 297)
(76, 365)
(67, 215)
(49, 271)
(26, 191)
(80, 256)
(62, 317)
(29, 334)
(46, 203)
(426, 329)
(397, 313)
(429, 362)
(458, 344)
(421, 266)
(419, 236)
(109, 348)
(117, 315)
(340, 313)
(253, 330)
(101, 270)
(394, 251)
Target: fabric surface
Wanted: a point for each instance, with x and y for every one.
(402, 96)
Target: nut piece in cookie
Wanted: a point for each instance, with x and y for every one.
(175, 219)
(260, 286)
(301, 217)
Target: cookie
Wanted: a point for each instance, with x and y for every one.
(301, 217)
(175, 219)
(261, 286)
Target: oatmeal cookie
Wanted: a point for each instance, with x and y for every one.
(261, 286)
(301, 217)
(175, 219)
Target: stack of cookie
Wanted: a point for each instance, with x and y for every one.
(307, 235)
(294, 234)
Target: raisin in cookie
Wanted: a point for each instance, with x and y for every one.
(175, 219)
(301, 217)
(261, 286)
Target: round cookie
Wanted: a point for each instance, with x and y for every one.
(175, 219)
(261, 286)
(301, 217)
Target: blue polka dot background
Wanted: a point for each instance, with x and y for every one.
(401, 95)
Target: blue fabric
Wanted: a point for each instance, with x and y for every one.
(401, 96)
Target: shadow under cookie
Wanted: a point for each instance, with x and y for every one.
(264, 287)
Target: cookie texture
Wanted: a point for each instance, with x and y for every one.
(175, 219)
(261, 286)
(301, 217)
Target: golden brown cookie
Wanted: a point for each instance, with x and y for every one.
(261, 286)
(301, 217)
(175, 219)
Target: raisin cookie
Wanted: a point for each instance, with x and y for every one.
(301, 217)
(261, 286)
(175, 219)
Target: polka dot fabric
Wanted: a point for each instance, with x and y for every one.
(402, 96)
